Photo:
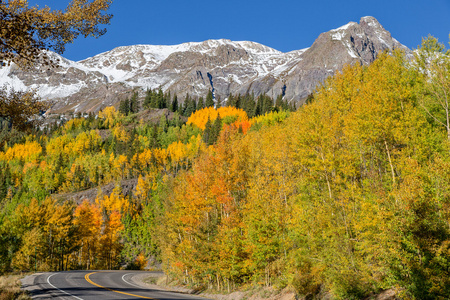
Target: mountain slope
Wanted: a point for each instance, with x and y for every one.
(194, 68)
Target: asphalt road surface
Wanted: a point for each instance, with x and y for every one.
(96, 285)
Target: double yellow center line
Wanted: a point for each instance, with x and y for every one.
(111, 290)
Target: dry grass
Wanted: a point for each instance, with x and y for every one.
(10, 288)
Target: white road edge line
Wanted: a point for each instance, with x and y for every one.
(48, 281)
(123, 278)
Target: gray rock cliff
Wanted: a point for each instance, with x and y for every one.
(235, 67)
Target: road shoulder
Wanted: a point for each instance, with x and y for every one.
(33, 287)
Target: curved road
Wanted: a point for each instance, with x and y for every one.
(96, 285)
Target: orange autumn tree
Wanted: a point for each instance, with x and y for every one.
(204, 226)
(201, 117)
(89, 219)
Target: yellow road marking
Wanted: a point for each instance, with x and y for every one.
(98, 285)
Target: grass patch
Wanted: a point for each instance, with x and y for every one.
(10, 288)
(151, 280)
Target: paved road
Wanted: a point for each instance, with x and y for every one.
(92, 285)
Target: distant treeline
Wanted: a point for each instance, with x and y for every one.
(253, 105)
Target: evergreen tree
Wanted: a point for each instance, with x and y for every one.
(207, 132)
(218, 102)
(154, 100)
(161, 100)
(176, 120)
(209, 99)
(309, 99)
(167, 100)
(279, 103)
(183, 107)
(231, 100)
(200, 103)
(124, 106)
(190, 106)
(174, 105)
(154, 138)
(267, 104)
(214, 131)
(134, 104)
(148, 98)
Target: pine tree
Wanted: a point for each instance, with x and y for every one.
(207, 132)
(249, 105)
(218, 102)
(124, 106)
(267, 104)
(183, 107)
(161, 100)
(279, 102)
(167, 100)
(174, 105)
(259, 106)
(134, 104)
(215, 130)
(200, 103)
(209, 99)
(148, 98)
(190, 106)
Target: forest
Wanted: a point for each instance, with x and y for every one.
(347, 196)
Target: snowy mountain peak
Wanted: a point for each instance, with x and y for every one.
(344, 27)
(371, 21)
(237, 67)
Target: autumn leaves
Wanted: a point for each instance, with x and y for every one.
(347, 196)
(342, 196)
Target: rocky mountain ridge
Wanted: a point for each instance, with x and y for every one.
(194, 68)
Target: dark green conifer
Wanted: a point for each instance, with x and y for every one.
(190, 106)
(134, 104)
(160, 100)
(207, 132)
(174, 105)
(148, 99)
(200, 103)
(124, 106)
(215, 131)
(209, 99)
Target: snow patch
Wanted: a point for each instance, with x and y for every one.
(339, 33)
(234, 78)
(11, 82)
(344, 27)
(371, 21)
(338, 36)
(60, 91)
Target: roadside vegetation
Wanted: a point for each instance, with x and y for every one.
(346, 197)
(10, 288)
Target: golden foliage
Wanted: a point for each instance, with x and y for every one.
(26, 31)
(29, 151)
(111, 116)
(20, 108)
(200, 117)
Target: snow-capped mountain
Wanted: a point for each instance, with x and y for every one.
(194, 68)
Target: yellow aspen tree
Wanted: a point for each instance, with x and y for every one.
(89, 219)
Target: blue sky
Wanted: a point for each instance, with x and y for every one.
(281, 24)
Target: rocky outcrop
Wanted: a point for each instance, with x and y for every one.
(235, 67)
